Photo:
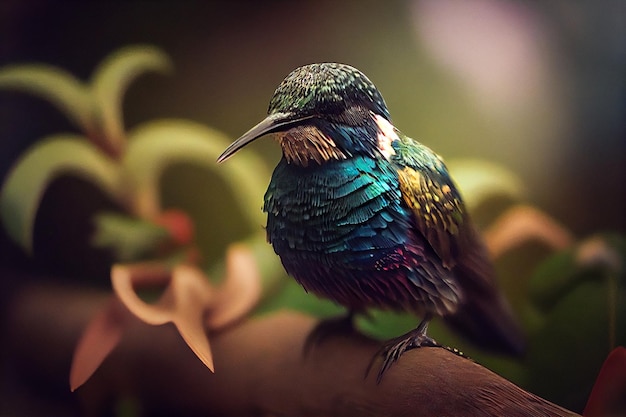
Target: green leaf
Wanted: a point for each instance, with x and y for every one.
(111, 79)
(34, 171)
(580, 293)
(567, 351)
(553, 279)
(55, 85)
(156, 145)
(480, 180)
(129, 238)
(596, 257)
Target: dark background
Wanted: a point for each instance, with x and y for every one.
(567, 144)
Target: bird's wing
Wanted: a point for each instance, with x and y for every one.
(430, 193)
(484, 316)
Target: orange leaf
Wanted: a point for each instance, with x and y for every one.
(189, 301)
(240, 291)
(521, 224)
(100, 337)
(125, 278)
(183, 302)
(190, 294)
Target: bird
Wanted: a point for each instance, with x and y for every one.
(365, 216)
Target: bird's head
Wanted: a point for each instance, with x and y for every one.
(322, 112)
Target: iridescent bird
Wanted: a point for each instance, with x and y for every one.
(363, 215)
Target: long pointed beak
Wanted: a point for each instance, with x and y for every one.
(276, 122)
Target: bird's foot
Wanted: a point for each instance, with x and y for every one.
(326, 328)
(393, 349)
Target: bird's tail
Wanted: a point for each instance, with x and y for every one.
(485, 317)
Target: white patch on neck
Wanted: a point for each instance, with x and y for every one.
(387, 133)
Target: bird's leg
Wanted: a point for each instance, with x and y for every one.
(328, 327)
(394, 348)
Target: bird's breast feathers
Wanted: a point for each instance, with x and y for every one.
(368, 220)
(307, 144)
(360, 197)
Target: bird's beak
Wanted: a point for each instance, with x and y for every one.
(276, 122)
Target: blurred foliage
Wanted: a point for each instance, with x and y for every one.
(571, 303)
(486, 187)
(129, 237)
(23, 189)
(95, 108)
(127, 167)
(580, 294)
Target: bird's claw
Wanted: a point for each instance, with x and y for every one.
(392, 350)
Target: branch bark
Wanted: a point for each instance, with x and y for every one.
(260, 368)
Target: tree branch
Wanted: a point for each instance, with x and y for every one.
(260, 368)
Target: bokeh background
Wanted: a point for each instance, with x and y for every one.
(535, 86)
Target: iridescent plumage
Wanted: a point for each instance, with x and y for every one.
(363, 215)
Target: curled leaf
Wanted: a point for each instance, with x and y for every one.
(521, 224)
(481, 180)
(35, 170)
(111, 79)
(126, 279)
(183, 302)
(55, 85)
(189, 301)
(240, 291)
(190, 294)
(155, 146)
